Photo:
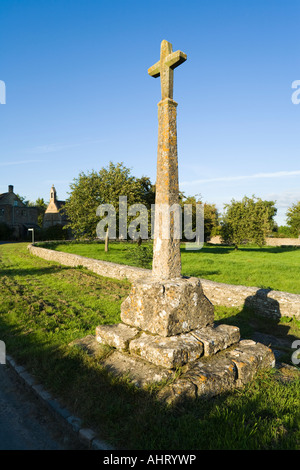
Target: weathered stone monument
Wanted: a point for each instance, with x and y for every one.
(166, 321)
(165, 303)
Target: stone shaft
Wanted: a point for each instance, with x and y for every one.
(166, 247)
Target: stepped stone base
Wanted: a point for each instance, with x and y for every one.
(172, 351)
(221, 373)
(169, 325)
(139, 372)
(203, 378)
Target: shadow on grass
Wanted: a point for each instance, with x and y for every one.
(224, 249)
(127, 417)
(131, 418)
(270, 249)
(259, 319)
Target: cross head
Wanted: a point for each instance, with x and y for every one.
(169, 60)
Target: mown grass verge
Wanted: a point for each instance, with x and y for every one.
(44, 306)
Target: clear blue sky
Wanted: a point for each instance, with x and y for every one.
(79, 95)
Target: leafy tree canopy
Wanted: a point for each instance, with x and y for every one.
(293, 218)
(210, 213)
(247, 221)
(90, 190)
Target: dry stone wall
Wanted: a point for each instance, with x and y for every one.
(217, 240)
(103, 268)
(266, 302)
(283, 241)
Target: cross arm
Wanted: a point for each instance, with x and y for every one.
(175, 58)
(154, 71)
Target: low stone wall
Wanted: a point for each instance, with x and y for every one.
(269, 241)
(266, 302)
(103, 268)
(269, 303)
(283, 241)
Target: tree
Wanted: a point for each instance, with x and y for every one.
(293, 218)
(247, 221)
(211, 220)
(88, 191)
(283, 231)
(210, 213)
(41, 207)
(24, 200)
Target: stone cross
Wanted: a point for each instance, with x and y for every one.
(164, 68)
(166, 304)
(166, 318)
(166, 251)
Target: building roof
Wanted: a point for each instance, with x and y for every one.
(3, 196)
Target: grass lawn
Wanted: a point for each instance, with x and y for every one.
(44, 306)
(276, 268)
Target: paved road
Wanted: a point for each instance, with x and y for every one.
(25, 423)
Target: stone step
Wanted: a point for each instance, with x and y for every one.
(139, 372)
(203, 378)
(117, 336)
(171, 351)
(248, 357)
(176, 351)
(216, 338)
(220, 373)
(122, 364)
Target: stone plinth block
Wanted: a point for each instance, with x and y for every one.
(208, 377)
(88, 344)
(169, 352)
(217, 338)
(213, 378)
(249, 357)
(140, 372)
(177, 392)
(117, 336)
(167, 307)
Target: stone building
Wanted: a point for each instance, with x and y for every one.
(16, 215)
(54, 214)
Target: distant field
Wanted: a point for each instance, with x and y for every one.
(268, 267)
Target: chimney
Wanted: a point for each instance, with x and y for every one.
(10, 188)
